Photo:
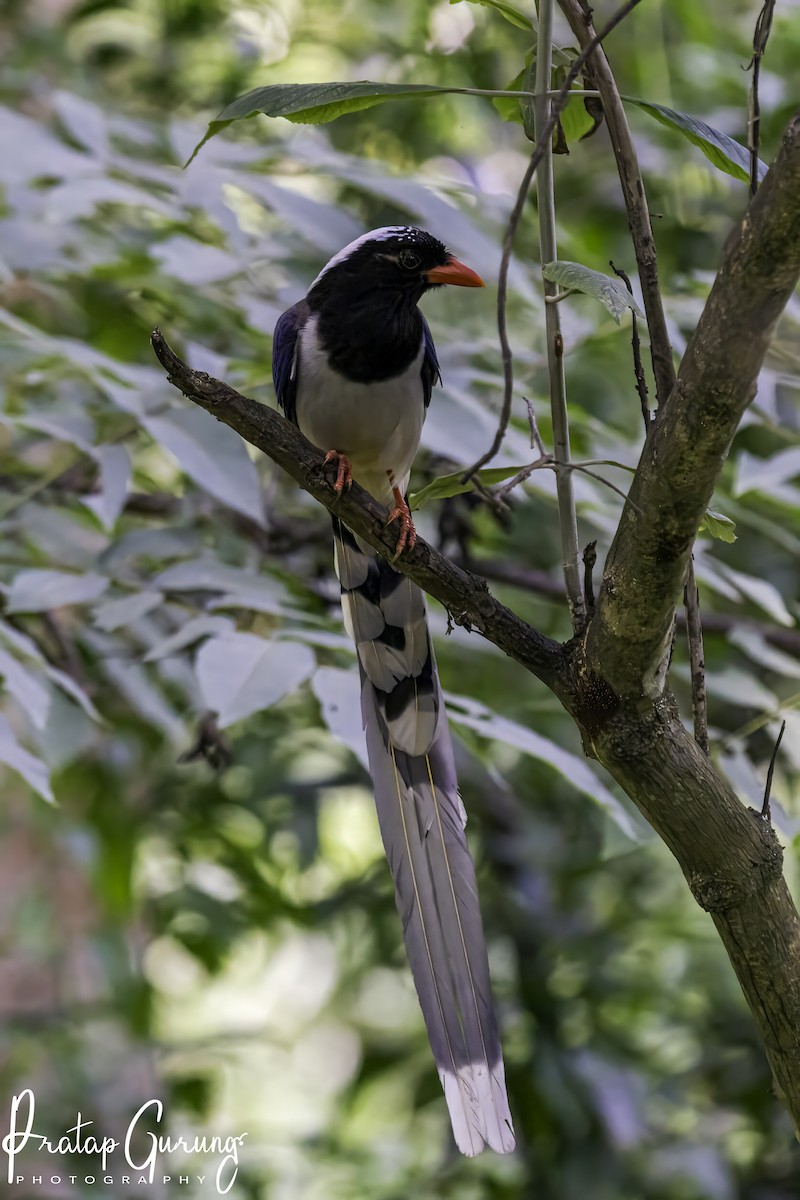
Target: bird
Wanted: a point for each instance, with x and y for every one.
(354, 366)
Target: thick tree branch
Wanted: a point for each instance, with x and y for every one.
(464, 595)
(731, 859)
(687, 444)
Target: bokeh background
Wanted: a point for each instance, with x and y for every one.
(226, 939)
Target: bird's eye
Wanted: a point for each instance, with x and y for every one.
(409, 260)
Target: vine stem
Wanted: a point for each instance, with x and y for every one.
(548, 252)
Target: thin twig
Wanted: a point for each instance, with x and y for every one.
(546, 462)
(635, 199)
(548, 252)
(766, 811)
(536, 437)
(539, 464)
(556, 107)
(760, 39)
(589, 560)
(694, 633)
(636, 346)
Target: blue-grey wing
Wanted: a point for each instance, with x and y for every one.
(285, 357)
(431, 374)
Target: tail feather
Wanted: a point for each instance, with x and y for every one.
(422, 822)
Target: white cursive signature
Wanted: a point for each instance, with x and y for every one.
(77, 1141)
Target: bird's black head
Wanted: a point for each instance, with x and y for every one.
(399, 260)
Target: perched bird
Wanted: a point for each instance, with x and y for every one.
(354, 366)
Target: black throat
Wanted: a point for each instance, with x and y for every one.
(369, 335)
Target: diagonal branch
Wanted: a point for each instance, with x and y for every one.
(687, 444)
(464, 595)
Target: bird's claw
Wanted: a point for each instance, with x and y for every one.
(344, 470)
(407, 536)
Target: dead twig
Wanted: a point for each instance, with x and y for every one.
(636, 346)
(766, 811)
(760, 39)
(589, 560)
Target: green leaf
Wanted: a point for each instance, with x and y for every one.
(311, 104)
(318, 103)
(445, 486)
(610, 291)
(726, 154)
(508, 107)
(575, 120)
(717, 525)
(507, 10)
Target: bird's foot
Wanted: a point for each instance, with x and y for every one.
(402, 513)
(344, 470)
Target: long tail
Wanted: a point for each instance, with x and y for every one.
(422, 823)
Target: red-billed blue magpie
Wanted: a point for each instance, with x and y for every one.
(354, 366)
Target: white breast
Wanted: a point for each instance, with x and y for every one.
(377, 425)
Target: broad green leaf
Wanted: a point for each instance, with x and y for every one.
(610, 291)
(318, 103)
(726, 154)
(717, 525)
(512, 14)
(508, 106)
(240, 673)
(445, 486)
(575, 120)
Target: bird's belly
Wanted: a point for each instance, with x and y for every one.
(377, 425)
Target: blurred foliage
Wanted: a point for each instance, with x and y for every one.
(227, 940)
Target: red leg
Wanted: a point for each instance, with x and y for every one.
(408, 534)
(344, 470)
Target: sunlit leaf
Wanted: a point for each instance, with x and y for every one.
(123, 611)
(26, 687)
(240, 673)
(213, 455)
(32, 769)
(115, 474)
(718, 526)
(610, 291)
(445, 486)
(191, 631)
(339, 695)
(760, 592)
(511, 14)
(763, 474)
(38, 591)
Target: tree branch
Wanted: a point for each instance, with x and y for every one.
(579, 17)
(687, 444)
(464, 595)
